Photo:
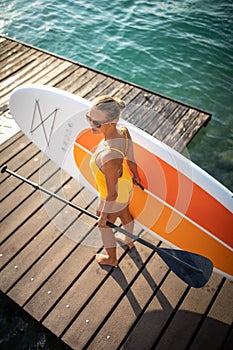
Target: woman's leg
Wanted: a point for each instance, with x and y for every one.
(128, 224)
(109, 239)
(109, 243)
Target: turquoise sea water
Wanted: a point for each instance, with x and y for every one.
(182, 49)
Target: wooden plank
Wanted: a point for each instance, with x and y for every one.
(28, 58)
(11, 52)
(30, 156)
(9, 66)
(77, 262)
(64, 78)
(76, 297)
(168, 126)
(13, 151)
(178, 137)
(4, 109)
(6, 49)
(190, 314)
(126, 90)
(83, 83)
(157, 314)
(85, 252)
(228, 341)
(32, 70)
(15, 191)
(154, 114)
(17, 196)
(218, 322)
(34, 244)
(110, 287)
(93, 83)
(135, 102)
(10, 141)
(27, 207)
(190, 131)
(105, 87)
(48, 67)
(138, 115)
(109, 87)
(111, 334)
(57, 70)
(24, 74)
(46, 265)
(79, 294)
(24, 289)
(163, 115)
(3, 40)
(43, 216)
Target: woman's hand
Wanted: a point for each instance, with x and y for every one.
(136, 180)
(102, 222)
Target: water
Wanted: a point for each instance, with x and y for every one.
(182, 49)
(18, 331)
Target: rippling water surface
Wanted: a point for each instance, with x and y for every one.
(182, 49)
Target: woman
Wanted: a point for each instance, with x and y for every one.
(112, 177)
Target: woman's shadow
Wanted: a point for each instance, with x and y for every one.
(149, 323)
(119, 277)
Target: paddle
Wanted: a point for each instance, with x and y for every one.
(194, 269)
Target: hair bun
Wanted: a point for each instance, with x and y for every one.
(112, 106)
(106, 98)
(120, 102)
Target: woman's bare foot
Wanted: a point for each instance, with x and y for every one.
(125, 240)
(105, 260)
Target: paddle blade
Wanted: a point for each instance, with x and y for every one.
(194, 278)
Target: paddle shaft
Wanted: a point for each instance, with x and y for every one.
(160, 251)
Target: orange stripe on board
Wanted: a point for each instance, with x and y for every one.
(182, 233)
(166, 223)
(187, 197)
(177, 190)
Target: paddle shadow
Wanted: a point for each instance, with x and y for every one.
(136, 258)
(119, 277)
(164, 328)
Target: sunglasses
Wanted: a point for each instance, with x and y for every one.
(96, 123)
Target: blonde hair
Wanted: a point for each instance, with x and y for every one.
(111, 106)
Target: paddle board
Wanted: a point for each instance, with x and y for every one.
(181, 204)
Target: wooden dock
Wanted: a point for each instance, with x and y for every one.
(141, 305)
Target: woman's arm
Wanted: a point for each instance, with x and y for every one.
(130, 160)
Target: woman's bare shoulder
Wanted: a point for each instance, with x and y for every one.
(111, 155)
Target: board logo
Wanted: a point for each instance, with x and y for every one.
(42, 122)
